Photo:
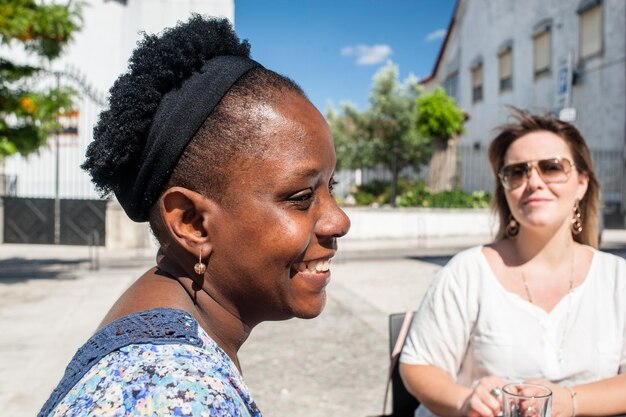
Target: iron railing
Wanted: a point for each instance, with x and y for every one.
(474, 174)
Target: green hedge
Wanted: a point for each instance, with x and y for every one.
(415, 194)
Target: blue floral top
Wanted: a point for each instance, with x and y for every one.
(173, 369)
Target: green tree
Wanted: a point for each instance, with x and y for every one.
(28, 114)
(385, 132)
(441, 120)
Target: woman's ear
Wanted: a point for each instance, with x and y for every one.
(187, 215)
(583, 183)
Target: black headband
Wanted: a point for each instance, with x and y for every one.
(180, 114)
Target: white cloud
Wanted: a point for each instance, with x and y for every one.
(368, 54)
(437, 34)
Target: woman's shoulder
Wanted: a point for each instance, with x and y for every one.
(608, 265)
(468, 258)
(607, 258)
(463, 271)
(171, 365)
(142, 377)
(150, 376)
(145, 355)
(163, 336)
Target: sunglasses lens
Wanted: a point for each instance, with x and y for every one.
(554, 170)
(514, 175)
(551, 170)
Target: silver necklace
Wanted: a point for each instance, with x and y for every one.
(559, 349)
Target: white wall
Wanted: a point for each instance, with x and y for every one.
(422, 226)
(417, 223)
(99, 54)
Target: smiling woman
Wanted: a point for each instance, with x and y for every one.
(233, 168)
(540, 304)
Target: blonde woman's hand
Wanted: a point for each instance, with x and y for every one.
(562, 405)
(485, 400)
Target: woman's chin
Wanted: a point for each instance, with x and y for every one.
(311, 308)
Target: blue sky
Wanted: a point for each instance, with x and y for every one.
(332, 48)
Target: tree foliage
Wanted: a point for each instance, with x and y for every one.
(353, 151)
(28, 114)
(438, 115)
(440, 119)
(385, 132)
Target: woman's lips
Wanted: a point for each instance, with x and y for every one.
(319, 265)
(536, 201)
(316, 273)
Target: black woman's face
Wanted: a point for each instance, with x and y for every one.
(276, 232)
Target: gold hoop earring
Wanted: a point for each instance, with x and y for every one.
(512, 229)
(200, 267)
(577, 222)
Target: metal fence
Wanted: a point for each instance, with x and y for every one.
(57, 163)
(474, 174)
(45, 197)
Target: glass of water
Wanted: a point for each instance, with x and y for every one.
(526, 400)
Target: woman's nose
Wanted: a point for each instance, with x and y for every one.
(534, 178)
(334, 222)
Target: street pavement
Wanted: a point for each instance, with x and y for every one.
(51, 301)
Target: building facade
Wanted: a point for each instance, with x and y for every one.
(90, 65)
(565, 57)
(40, 193)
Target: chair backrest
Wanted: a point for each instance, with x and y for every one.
(403, 404)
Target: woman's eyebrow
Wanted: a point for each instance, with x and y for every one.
(302, 174)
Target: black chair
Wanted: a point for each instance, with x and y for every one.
(403, 404)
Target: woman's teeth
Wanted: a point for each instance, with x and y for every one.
(314, 266)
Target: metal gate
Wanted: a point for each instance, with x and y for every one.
(28, 220)
(31, 220)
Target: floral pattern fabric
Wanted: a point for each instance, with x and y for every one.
(161, 380)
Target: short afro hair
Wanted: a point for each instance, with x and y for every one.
(159, 64)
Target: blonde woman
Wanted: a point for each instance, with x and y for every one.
(540, 303)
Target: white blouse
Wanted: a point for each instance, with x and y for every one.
(469, 326)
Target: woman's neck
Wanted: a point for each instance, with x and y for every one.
(549, 247)
(215, 315)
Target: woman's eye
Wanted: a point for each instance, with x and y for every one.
(554, 166)
(331, 185)
(517, 172)
(303, 199)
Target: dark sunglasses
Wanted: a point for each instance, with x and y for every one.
(550, 170)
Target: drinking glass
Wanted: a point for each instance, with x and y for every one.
(526, 400)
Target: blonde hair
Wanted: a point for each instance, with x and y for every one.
(527, 123)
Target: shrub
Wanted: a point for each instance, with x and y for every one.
(444, 199)
(363, 198)
(415, 194)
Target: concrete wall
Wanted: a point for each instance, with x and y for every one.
(417, 223)
(367, 224)
(123, 233)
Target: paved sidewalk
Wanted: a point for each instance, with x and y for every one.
(50, 303)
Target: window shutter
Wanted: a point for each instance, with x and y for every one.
(505, 63)
(542, 52)
(591, 32)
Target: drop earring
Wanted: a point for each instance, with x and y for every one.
(200, 267)
(577, 222)
(512, 229)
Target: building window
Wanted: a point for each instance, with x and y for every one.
(541, 48)
(590, 28)
(451, 85)
(477, 80)
(505, 66)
